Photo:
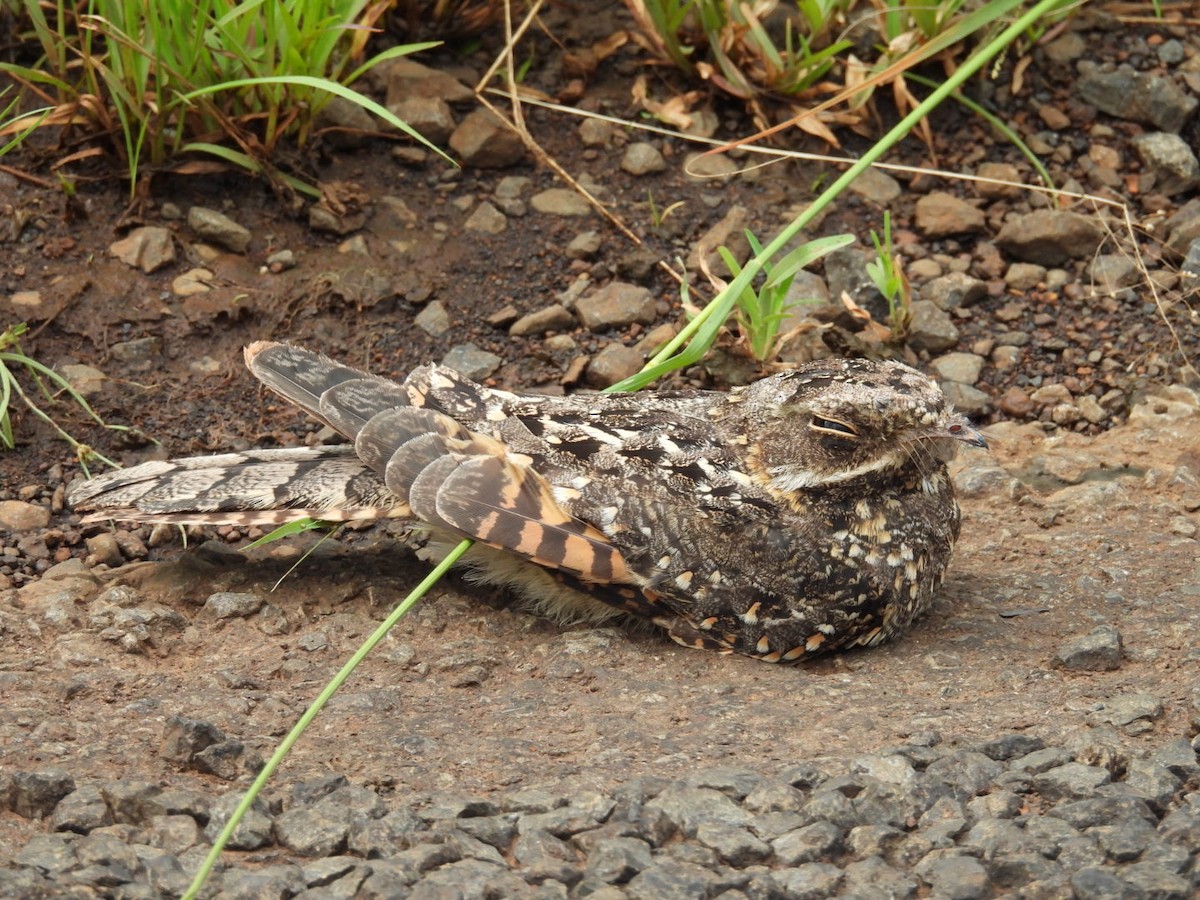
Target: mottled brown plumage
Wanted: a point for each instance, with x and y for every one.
(807, 512)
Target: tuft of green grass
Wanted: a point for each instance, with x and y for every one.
(12, 360)
(760, 311)
(800, 52)
(887, 272)
(738, 48)
(167, 78)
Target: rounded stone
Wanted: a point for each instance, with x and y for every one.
(17, 515)
(642, 158)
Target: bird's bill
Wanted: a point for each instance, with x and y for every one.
(962, 430)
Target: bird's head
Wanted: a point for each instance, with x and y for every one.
(833, 422)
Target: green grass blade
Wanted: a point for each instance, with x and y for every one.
(21, 131)
(250, 164)
(40, 370)
(24, 73)
(763, 41)
(393, 53)
(6, 432)
(322, 84)
(996, 122)
(805, 255)
(287, 530)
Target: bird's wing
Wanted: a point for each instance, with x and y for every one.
(472, 485)
(451, 477)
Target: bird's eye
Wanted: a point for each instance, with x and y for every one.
(833, 426)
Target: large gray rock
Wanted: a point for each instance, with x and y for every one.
(963, 368)
(218, 228)
(616, 305)
(642, 158)
(1137, 96)
(940, 214)
(33, 795)
(148, 248)
(1050, 237)
(1169, 158)
(1097, 651)
(486, 219)
(930, 328)
(17, 515)
(484, 142)
(551, 318)
(614, 363)
(433, 319)
(560, 202)
(430, 116)
(407, 78)
(471, 362)
(954, 290)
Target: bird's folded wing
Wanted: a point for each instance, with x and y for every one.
(472, 485)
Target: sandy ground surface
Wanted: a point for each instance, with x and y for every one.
(1061, 535)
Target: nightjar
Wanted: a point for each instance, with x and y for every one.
(808, 512)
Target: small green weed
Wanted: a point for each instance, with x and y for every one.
(754, 50)
(888, 275)
(927, 19)
(658, 216)
(737, 48)
(760, 311)
(12, 360)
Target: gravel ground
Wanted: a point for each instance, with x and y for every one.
(1012, 816)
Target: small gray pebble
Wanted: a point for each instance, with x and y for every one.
(231, 604)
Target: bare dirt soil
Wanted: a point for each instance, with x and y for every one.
(466, 697)
(1062, 531)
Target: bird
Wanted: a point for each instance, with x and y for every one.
(807, 512)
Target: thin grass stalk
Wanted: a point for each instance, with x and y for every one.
(11, 386)
(319, 84)
(996, 122)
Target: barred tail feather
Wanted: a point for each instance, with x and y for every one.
(259, 487)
